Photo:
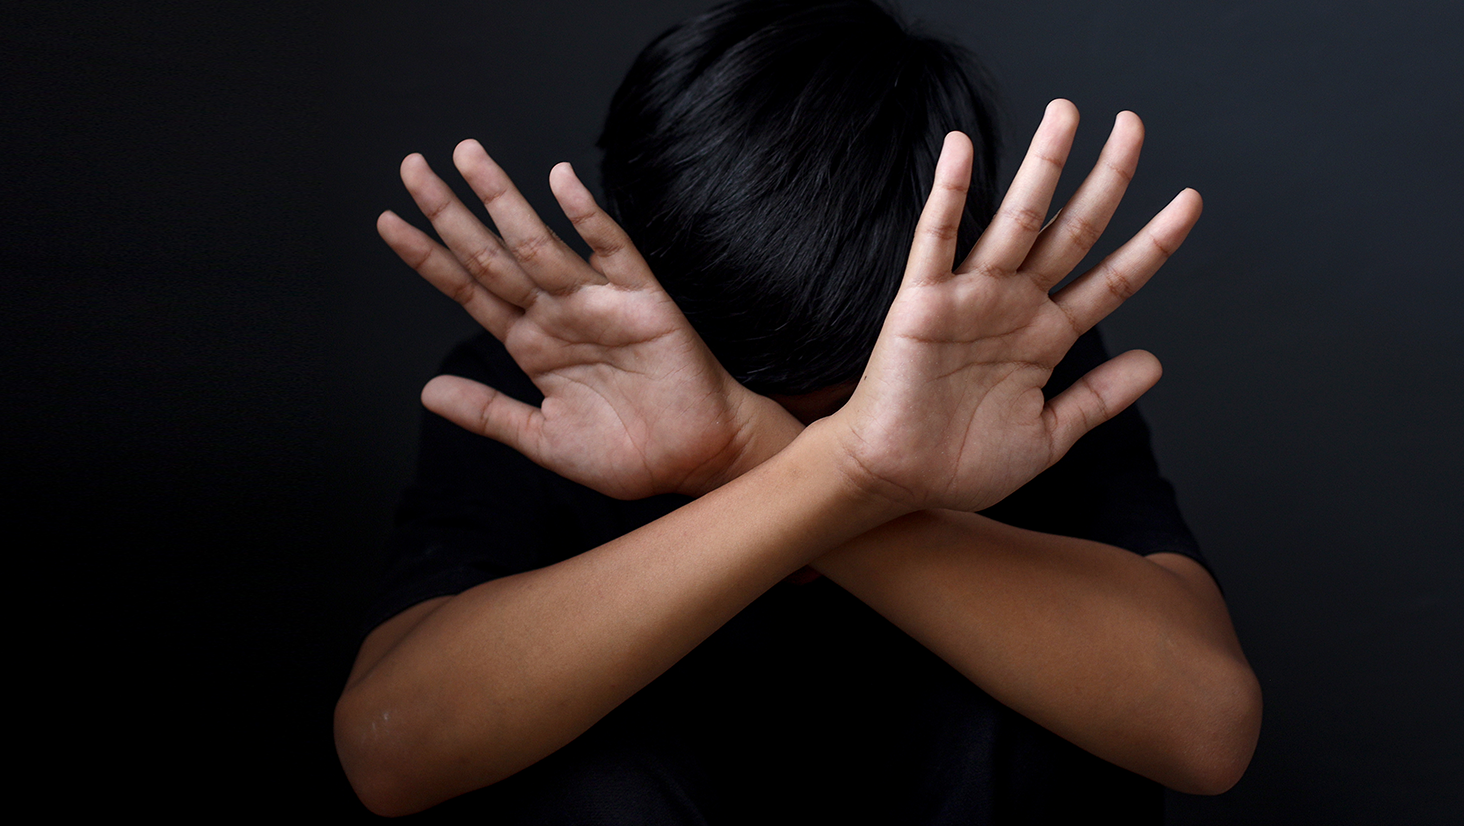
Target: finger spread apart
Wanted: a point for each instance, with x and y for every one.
(614, 254)
(1099, 291)
(537, 250)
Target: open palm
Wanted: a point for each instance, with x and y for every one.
(951, 411)
(634, 403)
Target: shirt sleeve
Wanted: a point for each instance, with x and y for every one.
(1108, 487)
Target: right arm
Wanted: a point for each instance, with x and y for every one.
(460, 692)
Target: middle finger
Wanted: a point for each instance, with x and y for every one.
(1078, 225)
(1004, 245)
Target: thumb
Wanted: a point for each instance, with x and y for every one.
(487, 412)
(1098, 396)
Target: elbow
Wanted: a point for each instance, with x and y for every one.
(383, 793)
(381, 796)
(374, 759)
(1217, 742)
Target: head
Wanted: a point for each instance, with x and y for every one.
(771, 158)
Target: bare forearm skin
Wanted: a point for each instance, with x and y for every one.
(1131, 658)
(1125, 656)
(490, 681)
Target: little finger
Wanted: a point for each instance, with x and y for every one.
(614, 254)
(443, 271)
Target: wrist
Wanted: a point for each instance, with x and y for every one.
(807, 497)
(764, 429)
(884, 476)
(824, 445)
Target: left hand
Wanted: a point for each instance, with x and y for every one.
(634, 402)
(950, 412)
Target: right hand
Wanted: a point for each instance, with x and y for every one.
(634, 402)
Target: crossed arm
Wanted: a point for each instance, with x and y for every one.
(1131, 658)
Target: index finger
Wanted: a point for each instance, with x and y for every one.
(1099, 291)
(933, 252)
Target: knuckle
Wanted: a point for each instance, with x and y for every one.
(1072, 319)
(940, 231)
(1056, 161)
(1101, 411)
(584, 219)
(1025, 218)
(609, 247)
(417, 257)
(492, 192)
(1124, 173)
(434, 208)
(481, 261)
(1164, 250)
(599, 232)
(986, 269)
(462, 291)
(487, 422)
(1082, 232)
(1118, 282)
(531, 248)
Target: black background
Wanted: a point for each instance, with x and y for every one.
(213, 363)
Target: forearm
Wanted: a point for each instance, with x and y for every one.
(508, 672)
(1128, 658)
(1131, 658)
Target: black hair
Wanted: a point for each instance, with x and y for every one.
(771, 158)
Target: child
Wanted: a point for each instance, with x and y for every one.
(755, 532)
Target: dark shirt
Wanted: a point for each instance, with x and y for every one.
(807, 692)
